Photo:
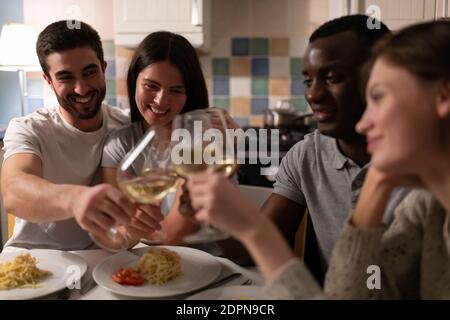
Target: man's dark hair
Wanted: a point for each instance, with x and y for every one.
(355, 23)
(64, 35)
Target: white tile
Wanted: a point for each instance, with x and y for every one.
(297, 46)
(240, 87)
(279, 67)
(273, 100)
(221, 47)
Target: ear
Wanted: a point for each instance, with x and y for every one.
(443, 100)
(104, 64)
(47, 79)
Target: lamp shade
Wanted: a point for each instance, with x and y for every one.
(18, 45)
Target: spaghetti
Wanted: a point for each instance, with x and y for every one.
(21, 271)
(159, 265)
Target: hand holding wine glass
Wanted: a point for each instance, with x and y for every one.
(203, 148)
(145, 177)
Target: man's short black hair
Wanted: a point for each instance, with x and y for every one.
(64, 35)
(357, 23)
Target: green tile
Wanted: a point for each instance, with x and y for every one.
(259, 46)
(221, 102)
(296, 66)
(111, 87)
(300, 103)
(221, 67)
(109, 48)
(260, 86)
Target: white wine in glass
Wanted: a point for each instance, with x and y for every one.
(201, 156)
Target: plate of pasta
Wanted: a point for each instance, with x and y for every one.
(29, 274)
(166, 271)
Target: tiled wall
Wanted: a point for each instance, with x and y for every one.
(254, 61)
(244, 76)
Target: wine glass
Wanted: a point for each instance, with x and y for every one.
(200, 145)
(145, 175)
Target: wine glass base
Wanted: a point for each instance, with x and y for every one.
(205, 235)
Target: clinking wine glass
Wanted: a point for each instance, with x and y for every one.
(203, 147)
(144, 175)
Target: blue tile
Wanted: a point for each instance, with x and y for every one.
(221, 86)
(260, 67)
(297, 86)
(34, 104)
(110, 72)
(112, 101)
(242, 122)
(260, 105)
(240, 46)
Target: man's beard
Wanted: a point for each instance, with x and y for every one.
(68, 105)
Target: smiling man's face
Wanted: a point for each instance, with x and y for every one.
(331, 73)
(78, 80)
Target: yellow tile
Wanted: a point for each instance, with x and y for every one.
(240, 67)
(208, 85)
(122, 52)
(121, 87)
(279, 47)
(240, 106)
(257, 121)
(279, 86)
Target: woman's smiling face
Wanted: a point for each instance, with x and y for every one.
(160, 93)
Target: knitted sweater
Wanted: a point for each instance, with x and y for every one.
(413, 257)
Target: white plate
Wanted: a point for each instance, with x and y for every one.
(65, 268)
(232, 293)
(199, 269)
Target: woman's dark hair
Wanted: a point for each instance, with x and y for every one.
(64, 35)
(161, 46)
(422, 49)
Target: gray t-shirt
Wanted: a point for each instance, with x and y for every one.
(315, 174)
(119, 143)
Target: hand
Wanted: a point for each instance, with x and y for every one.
(146, 221)
(394, 180)
(218, 202)
(229, 122)
(99, 208)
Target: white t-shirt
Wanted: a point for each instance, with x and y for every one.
(69, 156)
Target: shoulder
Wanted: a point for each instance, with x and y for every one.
(124, 132)
(40, 119)
(418, 206)
(309, 145)
(116, 116)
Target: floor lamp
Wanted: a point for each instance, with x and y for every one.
(18, 54)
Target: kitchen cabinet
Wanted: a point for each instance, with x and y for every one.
(135, 19)
(395, 14)
(400, 13)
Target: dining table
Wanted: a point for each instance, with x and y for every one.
(89, 290)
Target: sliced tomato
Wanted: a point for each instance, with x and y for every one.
(134, 281)
(117, 278)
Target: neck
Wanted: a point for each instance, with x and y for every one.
(355, 149)
(85, 125)
(437, 179)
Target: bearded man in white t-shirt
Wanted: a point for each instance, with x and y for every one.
(50, 176)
